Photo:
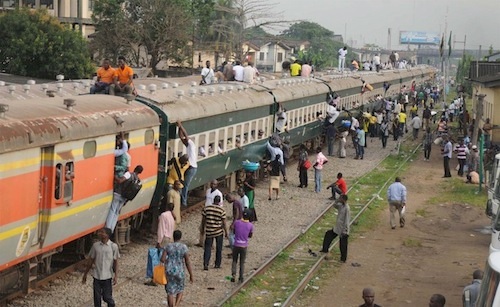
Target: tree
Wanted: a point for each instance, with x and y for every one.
(35, 44)
(322, 51)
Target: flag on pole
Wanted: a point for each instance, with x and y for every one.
(449, 46)
(441, 46)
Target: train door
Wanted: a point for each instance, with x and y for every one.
(45, 193)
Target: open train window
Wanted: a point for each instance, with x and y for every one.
(64, 182)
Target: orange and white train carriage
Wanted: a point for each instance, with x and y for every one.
(56, 174)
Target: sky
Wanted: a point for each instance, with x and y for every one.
(368, 21)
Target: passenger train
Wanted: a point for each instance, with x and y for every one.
(42, 139)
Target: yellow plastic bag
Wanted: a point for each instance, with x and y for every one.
(159, 276)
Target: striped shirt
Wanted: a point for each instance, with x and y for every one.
(214, 216)
(461, 152)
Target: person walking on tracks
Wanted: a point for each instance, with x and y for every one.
(396, 196)
(341, 228)
(103, 257)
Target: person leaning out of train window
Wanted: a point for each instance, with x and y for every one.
(122, 83)
(176, 169)
(105, 77)
(121, 157)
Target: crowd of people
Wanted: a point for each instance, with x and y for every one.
(386, 118)
(375, 64)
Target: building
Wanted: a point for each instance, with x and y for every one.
(75, 13)
(485, 77)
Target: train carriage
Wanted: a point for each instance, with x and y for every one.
(56, 170)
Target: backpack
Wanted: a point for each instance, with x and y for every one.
(131, 187)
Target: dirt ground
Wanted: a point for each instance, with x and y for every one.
(432, 254)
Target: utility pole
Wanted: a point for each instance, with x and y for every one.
(460, 42)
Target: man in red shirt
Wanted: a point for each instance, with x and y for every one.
(338, 187)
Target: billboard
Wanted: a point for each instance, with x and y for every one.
(419, 38)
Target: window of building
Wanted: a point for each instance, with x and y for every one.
(47, 4)
(261, 56)
(89, 149)
(280, 57)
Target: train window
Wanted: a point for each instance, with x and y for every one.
(69, 175)
(212, 140)
(89, 149)
(58, 181)
(149, 137)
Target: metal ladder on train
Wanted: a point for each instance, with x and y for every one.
(30, 275)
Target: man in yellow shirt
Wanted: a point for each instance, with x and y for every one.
(402, 122)
(295, 69)
(123, 79)
(105, 77)
(177, 168)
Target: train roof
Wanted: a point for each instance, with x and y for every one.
(187, 101)
(47, 121)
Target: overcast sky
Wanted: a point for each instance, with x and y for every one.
(367, 21)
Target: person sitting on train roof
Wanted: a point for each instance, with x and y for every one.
(207, 74)
(295, 69)
(176, 170)
(121, 157)
(122, 83)
(118, 200)
(249, 73)
(238, 71)
(105, 77)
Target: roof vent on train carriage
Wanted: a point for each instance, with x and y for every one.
(222, 89)
(211, 91)
(26, 88)
(59, 86)
(31, 82)
(203, 91)
(230, 88)
(12, 88)
(141, 87)
(2, 83)
(164, 85)
(119, 121)
(45, 87)
(194, 83)
(129, 98)
(273, 77)
(245, 87)
(69, 103)
(263, 79)
(86, 84)
(239, 88)
(60, 78)
(175, 85)
(152, 88)
(3, 109)
(179, 93)
(192, 92)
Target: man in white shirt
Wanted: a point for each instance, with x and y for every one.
(376, 62)
(192, 152)
(238, 71)
(342, 53)
(332, 112)
(212, 192)
(249, 74)
(207, 74)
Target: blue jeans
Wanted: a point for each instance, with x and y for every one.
(103, 289)
(207, 254)
(188, 177)
(317, 180)
(114, 212)
(361, 151)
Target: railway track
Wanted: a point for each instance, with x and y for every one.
(281, 279)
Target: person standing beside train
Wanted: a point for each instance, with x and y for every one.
(192, 154)
(302, 166)
(103, 257)
(105, 77)
(318, 168)
(123, 78)
(249, 188)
